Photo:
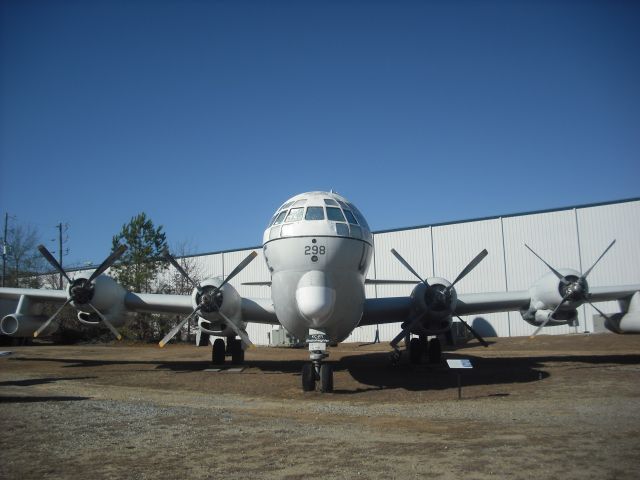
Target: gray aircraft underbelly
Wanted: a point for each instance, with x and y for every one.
(317, 282)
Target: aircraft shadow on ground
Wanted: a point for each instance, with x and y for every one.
(374, 369)
(36, 399)
(371, 369)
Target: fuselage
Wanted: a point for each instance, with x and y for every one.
(318, 249)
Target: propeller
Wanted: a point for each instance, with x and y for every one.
(81, 289)
(572, 288)
(209, 299)
(438, 295)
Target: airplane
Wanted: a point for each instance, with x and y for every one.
(318, 248)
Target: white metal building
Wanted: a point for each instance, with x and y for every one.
(571, 237)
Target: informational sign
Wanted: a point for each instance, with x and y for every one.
(318, 342)
(459, 363)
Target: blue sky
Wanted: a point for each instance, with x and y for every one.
(207, 115)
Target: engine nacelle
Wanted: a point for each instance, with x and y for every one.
(107, 295)
(227, 301)
(546, 294)
(436, 302)
(538, 317)
(19, 325)
(629, 320)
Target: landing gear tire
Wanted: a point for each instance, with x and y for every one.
(237, 353)
(435, 351)
(217, 352)
(326, 378)
(415, 351)
(308, 378)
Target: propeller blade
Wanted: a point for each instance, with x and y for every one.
(107, 322)
(474, 333)
(51, 318)
(178, 267)
(407, 266)
(176, 329)
(556, 273)
(537, 330)
(600, 311)
(246, 341)
(54, 263)
(596, 262)
(406, 330)
(472, 264)
(110, 260)
(238, 269)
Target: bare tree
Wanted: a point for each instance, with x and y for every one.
(23, 259)
(174, 282)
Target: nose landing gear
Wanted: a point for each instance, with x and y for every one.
(316, 370)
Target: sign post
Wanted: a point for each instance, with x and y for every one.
(458, 365)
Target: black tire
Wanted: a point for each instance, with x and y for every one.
(217, 352)
(237, 353)
(415, 351)
(435, 351)
(326, 378)
(308, 378)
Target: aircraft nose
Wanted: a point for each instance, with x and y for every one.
(315, 298)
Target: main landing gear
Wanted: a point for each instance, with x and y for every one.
(233, 348)
(420, 348)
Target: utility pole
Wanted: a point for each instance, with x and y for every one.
(60, 250)
(4, 247)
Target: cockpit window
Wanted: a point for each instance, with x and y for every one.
(286, 205)
(295, 214)
(350, 218)
(360, 218)
(280, 217)
(299, 203)
(329, 201)
(314, 213)
(335, 214)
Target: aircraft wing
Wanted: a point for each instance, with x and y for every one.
(36, 294)
(398, 309)
(255, 310)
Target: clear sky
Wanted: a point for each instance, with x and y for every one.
(207, 115)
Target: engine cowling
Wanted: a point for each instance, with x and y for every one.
(19, 325)
(436, 302)
(548, 292)
(212, 302)
(104, 293)
(629, 320)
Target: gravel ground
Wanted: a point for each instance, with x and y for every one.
(553, 407)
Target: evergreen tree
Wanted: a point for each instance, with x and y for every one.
(141, 263)
(138, 270)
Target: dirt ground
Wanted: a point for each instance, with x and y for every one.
(552, 407)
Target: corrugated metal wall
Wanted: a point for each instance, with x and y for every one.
(572, 238)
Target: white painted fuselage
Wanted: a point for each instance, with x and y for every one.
(318, 248)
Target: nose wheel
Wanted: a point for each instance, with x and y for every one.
(317, 372)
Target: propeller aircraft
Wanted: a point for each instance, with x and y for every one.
(318, 248)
